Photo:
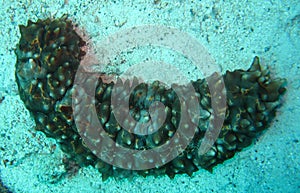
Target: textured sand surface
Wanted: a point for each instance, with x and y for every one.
(232, 31)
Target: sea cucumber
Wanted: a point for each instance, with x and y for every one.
(48, 55)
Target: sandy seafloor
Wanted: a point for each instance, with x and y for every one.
(232, 31)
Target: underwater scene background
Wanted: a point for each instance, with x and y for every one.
(231, 34)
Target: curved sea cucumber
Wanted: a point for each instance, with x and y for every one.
(48, 56)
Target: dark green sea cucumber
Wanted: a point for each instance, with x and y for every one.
(48, 56)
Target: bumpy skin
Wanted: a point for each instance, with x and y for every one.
(48, 55)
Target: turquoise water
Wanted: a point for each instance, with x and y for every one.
(233, 32)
